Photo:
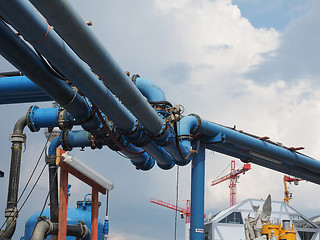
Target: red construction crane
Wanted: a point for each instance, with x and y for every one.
(287, 194)
(184, 211)
(233, 176)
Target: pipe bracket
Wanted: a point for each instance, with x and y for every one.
(11, 212)
(18, 138)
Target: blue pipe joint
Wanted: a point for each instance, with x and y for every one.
(38, 118)
(147, 165)
(138, 136)
(165, 136)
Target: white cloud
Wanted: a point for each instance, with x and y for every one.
(198, 51)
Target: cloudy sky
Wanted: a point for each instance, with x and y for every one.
(249, 63)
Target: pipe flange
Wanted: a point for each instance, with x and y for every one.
(84, 230)
(32, 125)
(64, 141)
(199, 122)
(18, 138)
(63, 122)
(11, 212)
(51, 227)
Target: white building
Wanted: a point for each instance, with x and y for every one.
(228, 224)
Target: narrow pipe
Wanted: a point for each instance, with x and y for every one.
(49, 43)
(75, 32)
(11, 212)
(142, 161)
(53, 180)
(45, 227)
(197, 195)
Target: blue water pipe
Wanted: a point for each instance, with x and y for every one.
(20, 89)
(21, 56)
(77, 34)
(197, 194)
(73, 29)
(49, 43)
(249, 148)
(53, 47)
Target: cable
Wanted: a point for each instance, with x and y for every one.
(177, 199)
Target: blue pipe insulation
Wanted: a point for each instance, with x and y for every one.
(76, 33)
(20, 89)
(197, 194)
(49, 43)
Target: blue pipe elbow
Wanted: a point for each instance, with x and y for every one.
(54, 145)
(149, 89)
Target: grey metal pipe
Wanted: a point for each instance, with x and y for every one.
(49, 43)
(11, 213)
(76, 33)
(45, 227)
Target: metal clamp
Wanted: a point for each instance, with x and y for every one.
(11, 212)
(19, 138)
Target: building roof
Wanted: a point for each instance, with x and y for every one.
(228, 224)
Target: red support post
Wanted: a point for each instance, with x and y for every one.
(62, 232)
(94, 214)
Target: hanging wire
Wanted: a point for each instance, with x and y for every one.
(223, 171)
(177, 199)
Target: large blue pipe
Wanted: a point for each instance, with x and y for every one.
(38, 118)
(76, 33)
(22, 57)
(81, 138)
(49, 43)
(20, 89)
(197, 195)
(249, 148)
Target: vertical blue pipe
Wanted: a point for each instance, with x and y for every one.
(197, 195)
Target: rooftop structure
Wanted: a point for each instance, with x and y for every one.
(229, 223)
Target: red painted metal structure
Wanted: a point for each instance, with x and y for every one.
(233, 176)
(65, 169)
(185, 211)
